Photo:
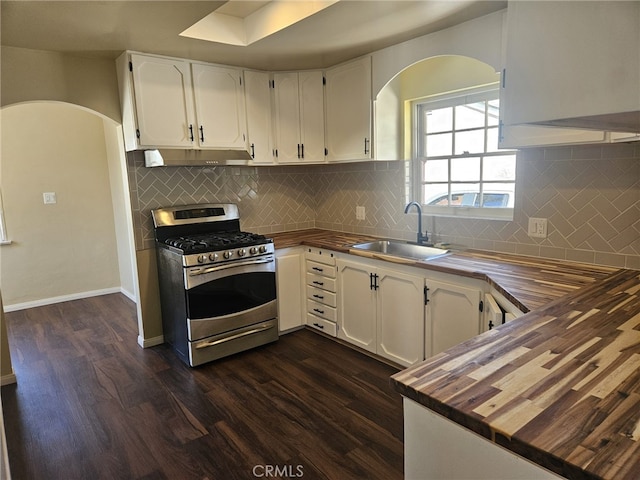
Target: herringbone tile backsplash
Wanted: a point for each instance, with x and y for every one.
(589, 194)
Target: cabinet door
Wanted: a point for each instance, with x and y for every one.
(258, 103)
(289, 279)
(220, 111)
(492, 315)
(287, 117)
(400, 327)
(452, 314)
(572, 60)
(357, 300)
(348, 114)
(163, 101)
(311, 90)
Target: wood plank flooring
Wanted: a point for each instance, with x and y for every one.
(91, 404)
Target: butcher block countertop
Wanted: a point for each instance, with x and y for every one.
(560, 385)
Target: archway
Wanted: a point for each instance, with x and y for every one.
(83, 244)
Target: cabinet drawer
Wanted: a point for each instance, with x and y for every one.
(320, 310)
(322, 296)
(321, 269)
(325, 326)
(321, 256)
(321, 282)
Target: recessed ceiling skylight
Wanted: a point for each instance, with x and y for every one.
(240, 22)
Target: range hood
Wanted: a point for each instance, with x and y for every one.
(194, 158)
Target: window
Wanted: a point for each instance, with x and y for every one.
(461, 171)
(3, 229)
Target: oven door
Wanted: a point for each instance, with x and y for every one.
(226, 297)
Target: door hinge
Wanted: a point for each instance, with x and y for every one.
(491, 325)
(326, 151)
(481, 306)
(131, 66)
(324, 80)
(504, 77)
(426, 294)
(138, 133)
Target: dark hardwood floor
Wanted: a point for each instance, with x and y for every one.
(91, 404)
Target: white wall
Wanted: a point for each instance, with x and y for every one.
(68, 248)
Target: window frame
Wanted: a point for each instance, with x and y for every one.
(461, 97)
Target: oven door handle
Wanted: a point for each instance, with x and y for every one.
(218, 268)
(253, 331)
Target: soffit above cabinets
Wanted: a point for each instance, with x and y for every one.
(344, 30)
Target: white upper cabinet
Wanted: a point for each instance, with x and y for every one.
(174, 103)
(299, 117)
(163, 101)
(219, 104)
(348, 111)
(573, 64)
(257, 88)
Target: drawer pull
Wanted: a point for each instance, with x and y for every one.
(318, 283)
(317, 310)
(318, 325)
(319, 296)
(318, 269)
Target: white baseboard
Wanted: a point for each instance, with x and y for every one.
(150, 342)
(63, 298)
(8, 379)
(129, 295)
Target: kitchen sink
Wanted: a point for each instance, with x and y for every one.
(394, 248)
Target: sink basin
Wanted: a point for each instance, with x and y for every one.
(400, 249)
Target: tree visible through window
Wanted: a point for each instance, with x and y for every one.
(461, 171)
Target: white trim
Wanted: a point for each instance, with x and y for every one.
(131, 296)
(63, 298)
(8, 379)
(5, 471)
(150, 342)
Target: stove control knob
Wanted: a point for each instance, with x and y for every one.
(202, 258)
(213, 257)
(242, 252)
(228, 254)
(253, 250)
(263, 248)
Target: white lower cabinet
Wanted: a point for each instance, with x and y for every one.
(289, 281)
(381, 310)
(452, 313)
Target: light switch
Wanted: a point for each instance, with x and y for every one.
(49, 197)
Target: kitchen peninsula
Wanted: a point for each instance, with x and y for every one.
(560, 386)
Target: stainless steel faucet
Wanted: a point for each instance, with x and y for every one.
(420, 237)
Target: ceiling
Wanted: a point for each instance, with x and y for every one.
(344, 30)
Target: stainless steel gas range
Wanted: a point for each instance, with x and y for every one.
(217, 283)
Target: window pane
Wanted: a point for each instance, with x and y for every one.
(465, 169)
(440, 120)
(492, 139)
(470, 116)
(470, 142)
(493, 112)
(465, 194)
(499, 168)
(498, 195)
(436, 194)
(439, 145)
(436, 171)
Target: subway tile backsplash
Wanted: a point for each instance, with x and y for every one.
(589, 194)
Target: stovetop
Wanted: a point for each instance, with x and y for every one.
(212, 242)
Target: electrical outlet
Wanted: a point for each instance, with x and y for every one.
(49, 197)
(360, 213)
(538, 227)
